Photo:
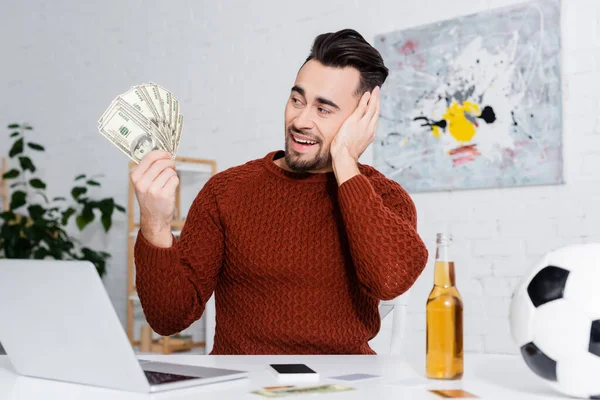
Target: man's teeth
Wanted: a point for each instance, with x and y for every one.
(303, 141)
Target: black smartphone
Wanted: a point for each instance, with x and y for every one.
(295, 372)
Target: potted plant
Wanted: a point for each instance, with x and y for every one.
(35, 226)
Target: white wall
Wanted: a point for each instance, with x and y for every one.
(231, 64)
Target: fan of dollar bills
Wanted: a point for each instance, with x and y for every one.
(145, 118)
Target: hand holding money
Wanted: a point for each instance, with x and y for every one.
(155, 182)
(145, 118)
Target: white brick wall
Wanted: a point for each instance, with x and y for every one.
(231, 64)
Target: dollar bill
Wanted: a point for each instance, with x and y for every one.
(154, 96)
(144, 118)
(128, 135)
(178, 133)
(296, 390)
(177, 120)
(150, 125)
(167, 105)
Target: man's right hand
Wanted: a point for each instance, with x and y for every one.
(155, 182)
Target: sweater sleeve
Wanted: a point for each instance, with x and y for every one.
(388, 253)
(175, 283)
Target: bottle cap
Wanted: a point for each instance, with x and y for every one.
(444, 237)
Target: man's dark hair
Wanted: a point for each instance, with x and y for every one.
(347, 48)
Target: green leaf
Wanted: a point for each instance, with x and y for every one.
(14, 185)
(87, 216)
(18, 199)
(92, 183)
(67, 214)
(29, 128)
(26, 164)
(13, 173)
(37, 183)
(13, 126)
(98, 258)
(8, 215)
(17, 148)
(60, 198)
(107, 207)
(106, 222)
(36, 211)
(14, 134)
(35, 146)
(82, 221)
(78, 191)
(78, 177)
(120, 208)
(40, 253)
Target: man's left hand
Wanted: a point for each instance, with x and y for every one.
(358, 130)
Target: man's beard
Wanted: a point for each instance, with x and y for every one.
(296, 162)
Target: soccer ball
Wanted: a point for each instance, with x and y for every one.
(555, 319)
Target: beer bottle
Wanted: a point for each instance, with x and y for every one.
(444, 349)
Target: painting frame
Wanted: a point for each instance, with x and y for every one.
(474, 102)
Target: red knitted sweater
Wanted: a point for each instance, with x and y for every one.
(297, 264)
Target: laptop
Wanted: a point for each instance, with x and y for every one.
(57, 322)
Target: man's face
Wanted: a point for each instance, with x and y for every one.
(321, 99)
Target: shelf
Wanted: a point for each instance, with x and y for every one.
(172, 345)
(179, 167)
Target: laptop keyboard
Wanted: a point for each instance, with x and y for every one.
(157, 378)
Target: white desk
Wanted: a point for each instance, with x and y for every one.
(489, 377)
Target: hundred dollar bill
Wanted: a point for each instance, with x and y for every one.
(150, 124)
(175, 122)
(165, 97)
(178, 133)
(295, 390)
(154, 95)
(167, 103)
(128, 135)
(144, 111)
(173, 117)
(152, 103)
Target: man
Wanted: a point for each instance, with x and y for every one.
(300, 246)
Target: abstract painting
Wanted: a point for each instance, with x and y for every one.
(473, 102)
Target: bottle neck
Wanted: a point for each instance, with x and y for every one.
(442, 252)
(444, 275)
